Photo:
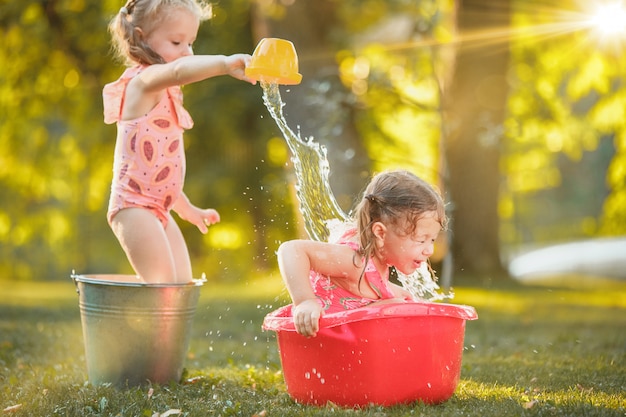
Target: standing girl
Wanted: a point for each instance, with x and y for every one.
(155, 38)
(398, 220)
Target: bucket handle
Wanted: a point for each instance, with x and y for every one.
(73, 276)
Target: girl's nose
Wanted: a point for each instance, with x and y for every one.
(188, 51)
(429, 249)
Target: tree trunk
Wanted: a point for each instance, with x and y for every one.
(474, 113)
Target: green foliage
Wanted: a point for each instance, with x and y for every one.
(395, 81)
(54, 170)
(534, 351)
(564, 132)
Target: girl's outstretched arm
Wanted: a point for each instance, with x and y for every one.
(193, 68)
(146, 89)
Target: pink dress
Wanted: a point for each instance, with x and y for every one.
(335, 298)
(149, 162)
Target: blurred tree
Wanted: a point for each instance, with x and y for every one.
(474, 116)
(565, 155)
(53, 173)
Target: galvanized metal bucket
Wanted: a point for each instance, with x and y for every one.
(135, 332)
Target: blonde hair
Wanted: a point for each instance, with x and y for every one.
(129, 44)
(399, 199)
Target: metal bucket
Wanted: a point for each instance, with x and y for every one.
(135, 332)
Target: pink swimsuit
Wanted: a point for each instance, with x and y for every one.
(149, 162)
(335, 298)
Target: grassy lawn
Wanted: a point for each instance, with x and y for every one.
(534, 351)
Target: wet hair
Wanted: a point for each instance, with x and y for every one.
(397, 199)
(129, 44)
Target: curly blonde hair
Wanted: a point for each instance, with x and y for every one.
(128, 43)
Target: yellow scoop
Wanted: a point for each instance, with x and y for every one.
(274, 61)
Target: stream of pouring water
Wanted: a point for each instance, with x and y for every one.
(322, 215)
(317, 202)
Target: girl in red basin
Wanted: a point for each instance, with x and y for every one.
(397, 222)
(155, 39)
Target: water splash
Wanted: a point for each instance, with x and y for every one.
(324, 220)
(422, 284)
(317, 202)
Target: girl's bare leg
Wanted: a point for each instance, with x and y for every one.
(146, 244)
(179, 251)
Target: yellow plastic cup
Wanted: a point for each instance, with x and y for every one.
(274, 61)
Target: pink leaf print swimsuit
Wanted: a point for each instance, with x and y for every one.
(335, 298)
(149, 162)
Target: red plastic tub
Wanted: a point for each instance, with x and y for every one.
(384, 355)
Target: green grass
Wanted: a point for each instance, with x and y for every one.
(534, 351)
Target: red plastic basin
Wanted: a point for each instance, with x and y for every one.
(384, 355)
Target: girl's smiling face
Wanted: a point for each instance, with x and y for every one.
(407, 251)
(173, 37)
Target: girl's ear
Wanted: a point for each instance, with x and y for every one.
(139, 32)
(379, 230)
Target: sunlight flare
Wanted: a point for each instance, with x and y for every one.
(609, 19)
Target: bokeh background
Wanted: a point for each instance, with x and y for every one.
(514, 109)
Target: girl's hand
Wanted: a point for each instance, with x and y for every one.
(202, 218)
(306, 317)
(236, 67)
